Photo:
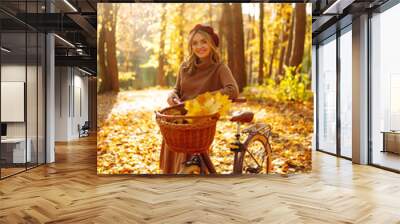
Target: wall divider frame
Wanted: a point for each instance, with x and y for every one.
(381, 9)
(369, 142)
(336, 36)
(35, 43)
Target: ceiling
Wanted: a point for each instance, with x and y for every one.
(74, 22)
(331, 15)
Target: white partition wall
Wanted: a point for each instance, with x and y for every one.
(71, 102)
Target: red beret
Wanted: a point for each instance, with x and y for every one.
(209, 30)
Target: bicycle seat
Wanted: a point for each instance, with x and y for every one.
(243, 117)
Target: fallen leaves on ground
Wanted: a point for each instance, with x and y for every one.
(129, 139)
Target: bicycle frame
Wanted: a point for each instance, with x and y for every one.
(240, 148)
(258, 131)
(202, 163)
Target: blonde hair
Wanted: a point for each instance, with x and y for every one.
(191, 60)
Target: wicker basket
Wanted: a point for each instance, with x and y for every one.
(194, 137)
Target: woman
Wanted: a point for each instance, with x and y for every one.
(202, 72)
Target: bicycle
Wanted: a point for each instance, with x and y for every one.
(253, 155)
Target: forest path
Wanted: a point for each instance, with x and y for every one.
(129, 139)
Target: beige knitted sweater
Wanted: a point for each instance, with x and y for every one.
(207, 77)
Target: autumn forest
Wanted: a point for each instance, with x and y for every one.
(141, 47)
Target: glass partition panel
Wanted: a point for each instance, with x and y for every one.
(385, 89)
(327, 96)
(346, 94)
(14, 151)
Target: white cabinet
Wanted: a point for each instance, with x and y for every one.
(17, 147)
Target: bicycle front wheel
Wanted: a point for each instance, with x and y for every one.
(256, 157)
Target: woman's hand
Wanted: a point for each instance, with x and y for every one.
(173, 99)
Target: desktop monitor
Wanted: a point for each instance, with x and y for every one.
(3, 129)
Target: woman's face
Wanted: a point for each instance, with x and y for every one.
(200, 46)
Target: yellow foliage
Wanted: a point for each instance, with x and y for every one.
(128, 139)
(208, 103)
(127, 75)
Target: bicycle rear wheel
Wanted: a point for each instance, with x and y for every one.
(256, 157)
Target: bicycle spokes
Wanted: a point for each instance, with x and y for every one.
(255, 158)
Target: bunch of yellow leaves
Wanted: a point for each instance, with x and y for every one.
(208, 103)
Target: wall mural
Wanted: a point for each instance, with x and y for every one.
(213, 88)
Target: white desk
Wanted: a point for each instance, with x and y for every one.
(18, 150)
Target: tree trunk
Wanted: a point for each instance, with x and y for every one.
(221, 30)
(300, 33)
(161, 53)
(239, 58)
(290, 42)
(275, 44)
(284, 37)
(110, 82)
(252, 58)
(249, 37)
(229, 36)
(210, 14)
(101, 61)
(261, 58)
(272, 57)
(181, 32)
(112, 63)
